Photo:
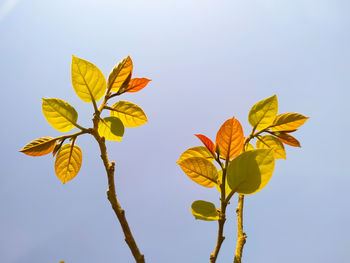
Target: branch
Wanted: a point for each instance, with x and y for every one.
(241, 236)
(112, 196)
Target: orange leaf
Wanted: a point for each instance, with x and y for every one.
(137, 84)
(287, 139)
(40, 146)
(207, 142)
(230, 139)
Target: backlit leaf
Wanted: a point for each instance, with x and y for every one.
(287, 139)
(263, 113)
(207, 142)
(200, 170)
(137, 84)
(40, 146)
(60, 114)
(230, 138)
(57, 147)
(68, 162)
(269, 141)
(120, 74)
(204, 210)
(88, 81)
(288, 122)
(129, 113)
(227, 187)
(250, 172)
(111, 128)
(249, 147)
(199, 151)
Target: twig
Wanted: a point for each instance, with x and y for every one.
(241, 236)
(112, 196)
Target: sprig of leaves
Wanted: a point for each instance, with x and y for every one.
(244, 169)
(90, 85)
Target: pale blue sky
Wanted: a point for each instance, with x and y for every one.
(208, 60)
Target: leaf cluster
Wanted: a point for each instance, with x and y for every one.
(91, 86)
(239, 166)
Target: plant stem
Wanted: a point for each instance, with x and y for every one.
(111, 192)
(222, 213)
(112, 197)
(241, 236)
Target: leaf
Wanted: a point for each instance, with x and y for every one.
(39, 147)
(137, 84)
(88, 81)
(120, 74)
(199, 151)
(68, 162)
(60, 114)
(111, 128)
(207, 142)
(288, 122)
(204, 210)
(230, 138)
(250, 172)
(249, 147)
(268, 141)
(227, 187)
(263, 113)
(129, 113)
(57, 147)
(287, 139)
(200, 170)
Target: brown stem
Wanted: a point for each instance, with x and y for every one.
(112, 196)
(241, 236)
(222, 212)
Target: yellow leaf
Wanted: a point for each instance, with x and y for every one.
(269, 141)
(60, 114)
(249, 147)
(263, 113)
(120, 74)
(88, 81)
(40, 146)
(230, 138)
(199, 151)
(68, 162)
(129, 113)
(111, 128)
(250, 172)
(204, 210)
(288, 122)
(200, 170)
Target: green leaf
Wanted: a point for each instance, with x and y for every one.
(129, 113)
(88, 81)
(200, 170)
(204, 210)
(288, 122)
(39, 147)
(269, 141)
(250, 172)
(60, 114)
(199, 151)
(68, 162)
(263, 113)
(227, 187)
(111, 128)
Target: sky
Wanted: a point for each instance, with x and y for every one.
(208, 61)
